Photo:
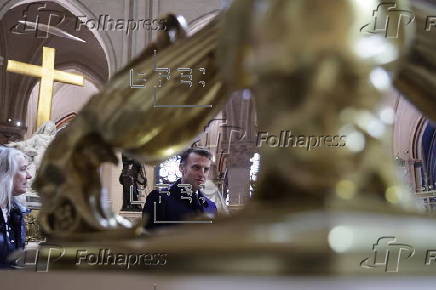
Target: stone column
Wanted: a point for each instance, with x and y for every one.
(109, 177)
(238, 146)
(238, 166)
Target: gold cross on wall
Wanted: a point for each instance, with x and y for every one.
(48, 75)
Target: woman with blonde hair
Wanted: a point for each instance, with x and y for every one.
(13, 181)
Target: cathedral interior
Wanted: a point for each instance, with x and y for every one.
(320, 119)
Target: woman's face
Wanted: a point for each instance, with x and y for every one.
(21, 177)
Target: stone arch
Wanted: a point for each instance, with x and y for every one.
(428, 145)
(78, 9)
(409, 128)
(89, 58)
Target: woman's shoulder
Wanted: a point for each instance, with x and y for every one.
(19, 208)
(17, 212)
(2, 219)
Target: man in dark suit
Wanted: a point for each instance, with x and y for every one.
(183, 200)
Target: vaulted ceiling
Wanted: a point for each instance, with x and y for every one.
(18, 42)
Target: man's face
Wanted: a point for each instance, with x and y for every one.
(195, 170)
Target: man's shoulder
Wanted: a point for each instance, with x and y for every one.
(164, 192)
(153, 194)
(151, 199)
(208, 200)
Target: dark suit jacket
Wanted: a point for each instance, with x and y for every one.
(16, 238)
(174, 207)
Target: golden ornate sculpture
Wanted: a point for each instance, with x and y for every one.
(416, 74)
(68, 179)
(317, 66)
(308, 65)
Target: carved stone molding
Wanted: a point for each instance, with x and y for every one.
(10, 133)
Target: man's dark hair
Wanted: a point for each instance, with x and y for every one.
(200, 151)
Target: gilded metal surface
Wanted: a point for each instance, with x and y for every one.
(308, 63)
(416, 76)
(126, 118)
(315, 212)
(33, 228)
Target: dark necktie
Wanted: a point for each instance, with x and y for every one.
(197, 204)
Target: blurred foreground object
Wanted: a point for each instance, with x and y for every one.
(311, 66)
(416, 78)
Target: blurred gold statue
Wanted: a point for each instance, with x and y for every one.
(311, 66)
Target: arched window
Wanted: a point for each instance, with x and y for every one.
(429, 152)
(254, 170)
(168, 171)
